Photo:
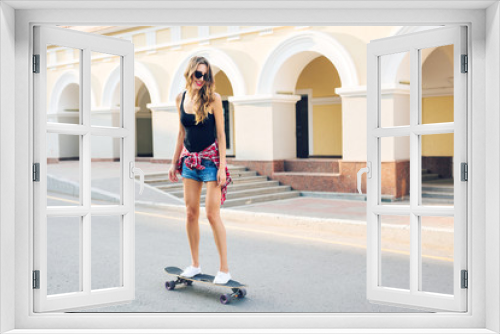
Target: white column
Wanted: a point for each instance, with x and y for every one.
(165, 123)
(264, 126)
(105, 147)
(395, 104)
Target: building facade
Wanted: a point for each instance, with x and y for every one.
(294, 99)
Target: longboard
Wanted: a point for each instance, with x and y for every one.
(237, 288)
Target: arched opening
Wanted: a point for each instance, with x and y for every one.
(143, 123)
(437, 107)
(319, 112)
(68, 112)
(224, 87)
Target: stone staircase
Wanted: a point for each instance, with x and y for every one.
(311, 174)
(247, 187)
(436, 190)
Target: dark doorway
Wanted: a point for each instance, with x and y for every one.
(302, 123)
(225, 106)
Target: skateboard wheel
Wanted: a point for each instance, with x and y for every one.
(189, 283)
(242, 293)
(225, 299)
(170, 285)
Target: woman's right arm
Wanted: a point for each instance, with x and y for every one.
(178, 145)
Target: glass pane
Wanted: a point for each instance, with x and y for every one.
(395, 103)
(63, 255)
(106, 74)
(437, 84)
(395, 170)
(395, 251)
(63, 170)
(106, 252)
(437, 169)
(437, 235)
(63, 84)
(106, 170)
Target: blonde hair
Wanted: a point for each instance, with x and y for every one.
(206, 94)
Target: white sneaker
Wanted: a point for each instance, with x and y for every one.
(191, 271)
(222, 278)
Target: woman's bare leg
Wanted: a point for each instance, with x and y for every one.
(212, 206)
(192, 193)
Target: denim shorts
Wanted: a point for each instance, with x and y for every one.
(206, 175)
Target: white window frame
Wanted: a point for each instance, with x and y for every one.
(85, 44)
(484, 103)
(415, 210)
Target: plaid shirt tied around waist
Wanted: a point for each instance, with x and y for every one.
(193, 161)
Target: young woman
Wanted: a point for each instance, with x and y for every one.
(200, 156)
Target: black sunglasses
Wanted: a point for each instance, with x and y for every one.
(198, 75)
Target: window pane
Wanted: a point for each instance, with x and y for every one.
(395, 100)
(63, 170)
(63, 255)
(106, 67)
(437, 169)
(395, 170)
(437, 254)
(106, 170)
(437, 84)
(395, 251)
(106, 252)
(63, 84)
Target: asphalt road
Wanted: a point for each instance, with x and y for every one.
(287, 269)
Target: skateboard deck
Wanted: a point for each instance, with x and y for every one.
(238, 288)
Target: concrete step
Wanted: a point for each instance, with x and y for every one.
(163, 176)
(242, 173)
(437, 195)
(162, 180)
(259, 199)
(312, 165)
(437, 201)
(434, 189)
(234, 187)
(310, 181)
(169, 186)
(254, 192)
(247, 179)
(429, 177)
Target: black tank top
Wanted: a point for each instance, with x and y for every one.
(198, 137)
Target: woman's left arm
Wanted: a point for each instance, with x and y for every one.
(221, 138)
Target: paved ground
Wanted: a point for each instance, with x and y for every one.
(288, 267)
(298, 255)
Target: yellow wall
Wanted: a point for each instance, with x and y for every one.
(327, 125)
(321, 76)
(437, 109)
(163, 36)
(188, 32)
(223, 85)
(216, 30)
(139, 40)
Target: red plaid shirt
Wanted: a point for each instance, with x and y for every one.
(193, 161)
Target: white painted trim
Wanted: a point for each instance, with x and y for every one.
(301, 41)
(67, 78)
(142, 72)
(322, 101)
(162, 107)
(264, 99)
(217, 58)
(431, 92)
(360, 91)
